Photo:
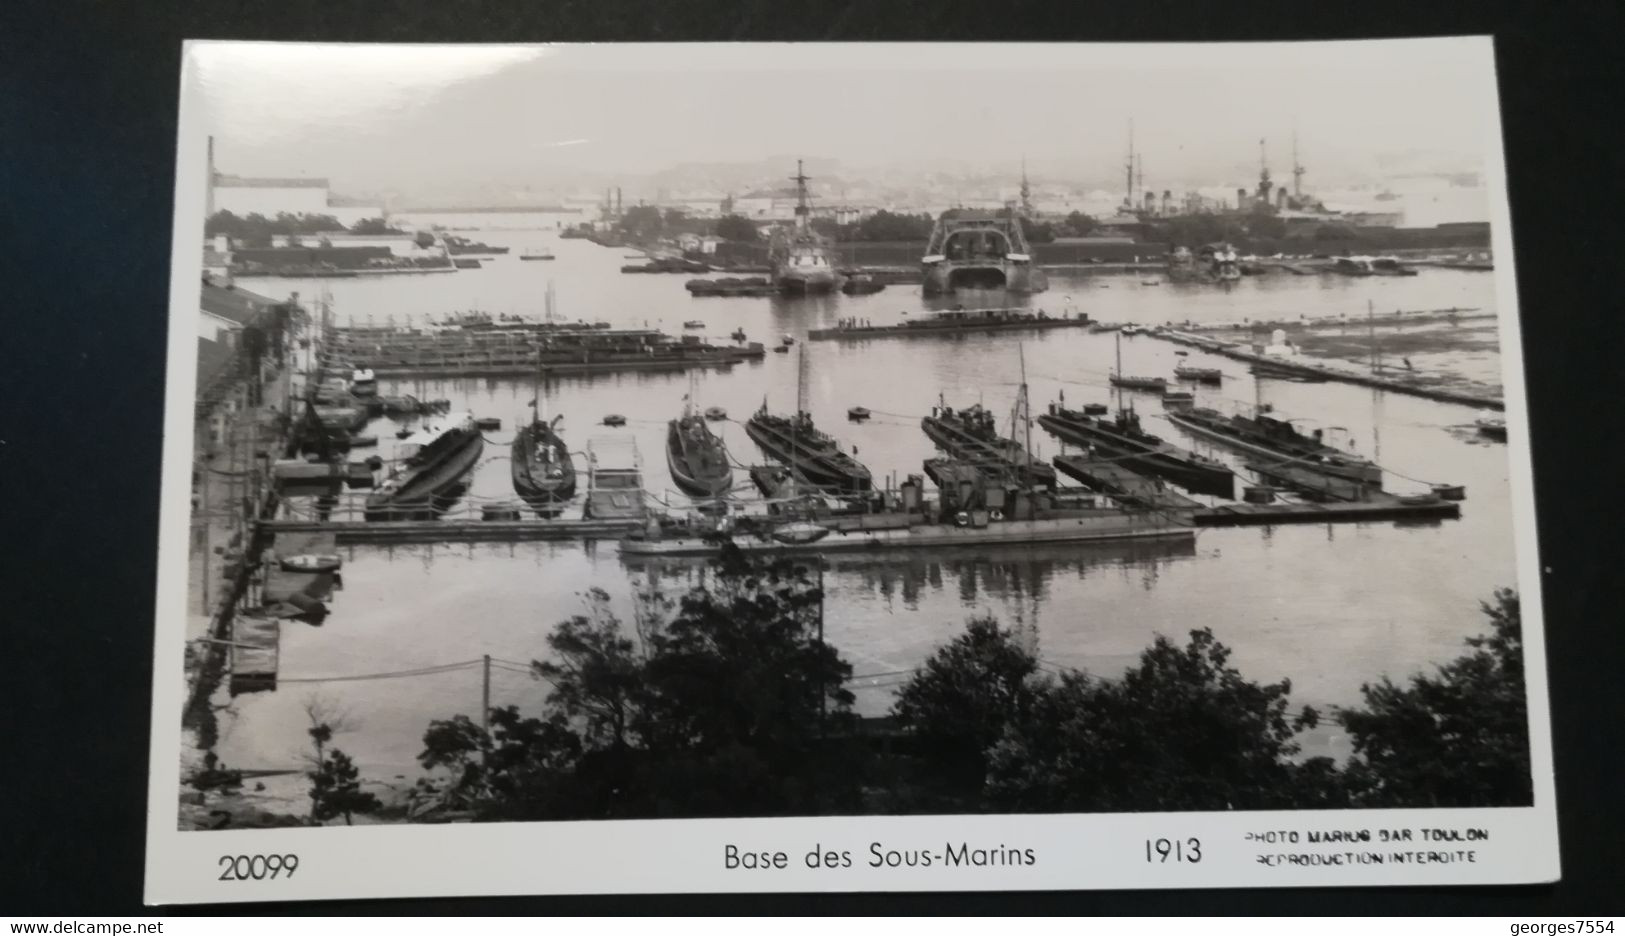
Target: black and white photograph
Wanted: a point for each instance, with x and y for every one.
(976, 438)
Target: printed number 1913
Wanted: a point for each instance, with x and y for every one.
(1162, 851)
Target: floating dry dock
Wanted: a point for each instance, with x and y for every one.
(955, 322)
(521, 350)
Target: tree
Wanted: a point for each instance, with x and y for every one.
(335, 789)
(1079, 224)
(1457, 738)
(335, 783)
(1182, 731)
(1266, 227)
(742, 694)
(597, 675)
(374, 226)
(889, 226)
(1336, 232)
(736, 228)
(729, 705)
(959, 704)
(642, 221)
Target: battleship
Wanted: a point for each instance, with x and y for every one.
(802, 261)
(979, 250)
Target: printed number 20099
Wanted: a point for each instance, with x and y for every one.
(257, 867)
(1161, 851)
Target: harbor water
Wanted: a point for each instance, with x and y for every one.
(1328, 606)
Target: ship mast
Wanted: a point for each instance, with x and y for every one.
(1297, 169)
(1118, 383)
(536, 405)
(1025, 416)
(1128, 169)
(803, 212)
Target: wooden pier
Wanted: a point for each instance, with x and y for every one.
(1316, 484)
(1325, 372)
(457, 531)
(1127, 486)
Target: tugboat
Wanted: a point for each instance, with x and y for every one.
(1278, 439)
(434, 463)
(696, 456)
(803, 263)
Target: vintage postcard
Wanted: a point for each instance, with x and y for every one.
(742, 467)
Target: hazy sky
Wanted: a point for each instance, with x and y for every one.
(380, 117)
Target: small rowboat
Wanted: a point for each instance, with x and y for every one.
(801, 531)
(693, 323)
(614, 419)
(715, 413)
(312, 562)
(1492, 425)
(1095, 409)
(858, 413)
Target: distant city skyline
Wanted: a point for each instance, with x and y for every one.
(426, 122)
